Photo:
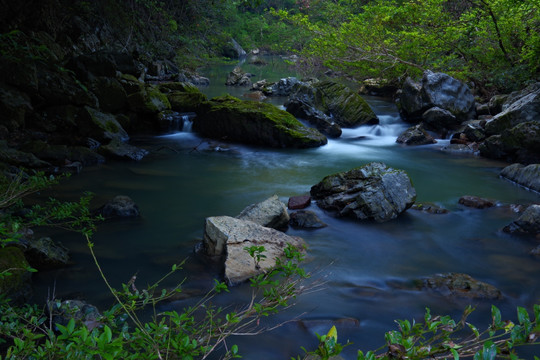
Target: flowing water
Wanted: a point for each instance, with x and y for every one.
(365, 265)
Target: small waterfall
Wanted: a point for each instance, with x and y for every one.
(179, 122)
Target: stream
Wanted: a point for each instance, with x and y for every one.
(184, 180)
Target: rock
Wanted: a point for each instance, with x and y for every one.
(299, 202)
(119, 206)
(430, 208)
(495, 104)
(535, 251)
(306, 219)
(255, 95)
(442, 90)
(475, 202)
(227, 236)
(264, 86)
(233, 50)
(471, 149)
(63, 155)
(524, 108)
(17, 285)
(20, 158)
(271, 213)
(518, 144)
(527, 176)
(378, 87)
(103, 63)
(459, 285)
(237, 77)
(527, 223)
(284, 87)
(110, 93)
(411, 104)
(373, 191)
(123, 151)
(101, 126)
(255, 60)
(474, 131)
(440, 120)
(415, 135)
(45, 253)
(183, 97)
(346, 107)
(148, 100)
(195, 79)
(14, 107)
(436, 90)
(314, 117)
(255, 123)
(78, 310)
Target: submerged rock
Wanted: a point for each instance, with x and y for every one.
(374, 191)
(228, 236)
(255, 123)
(270, 213)
(459, 285)
(119, 206)
(527, 223)
(475, 202)
(306, 219)
(527, 176)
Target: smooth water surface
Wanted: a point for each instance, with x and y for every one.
(365, 265)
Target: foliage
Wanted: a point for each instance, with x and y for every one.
(441, 337)
(196, 332)
(489, 42)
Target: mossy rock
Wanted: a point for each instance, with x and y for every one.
(148, 101)
(347, 107)
(58, 154)
(255, 123)
(100, 126)
(183, 97)
(131, 84)
(110, 93)
(20, 158)
(518, 144)
(17, 285)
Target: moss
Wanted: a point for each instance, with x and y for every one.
(254, 123)
(15, 285)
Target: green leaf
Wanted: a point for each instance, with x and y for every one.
(496, 317)
(523, 316)
(108, 333)
(455, 354)
(489, 351)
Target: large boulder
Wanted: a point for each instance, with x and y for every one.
(233, 50)
(103, 127)
(459, 285)
(525, 107)
(270, 213)
(20, 158)
(14, 107)
(346, 107)
(436, 90)
(147, 100)
(518, 144)
(255, 123)
(527, 176)
(527, 223)
(111, 94)
(440, 120)
(373, 191)
(229, 237)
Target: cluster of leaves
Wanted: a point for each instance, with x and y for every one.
(490, 42)
(441, 337)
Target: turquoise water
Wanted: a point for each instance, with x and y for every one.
(177, 187)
